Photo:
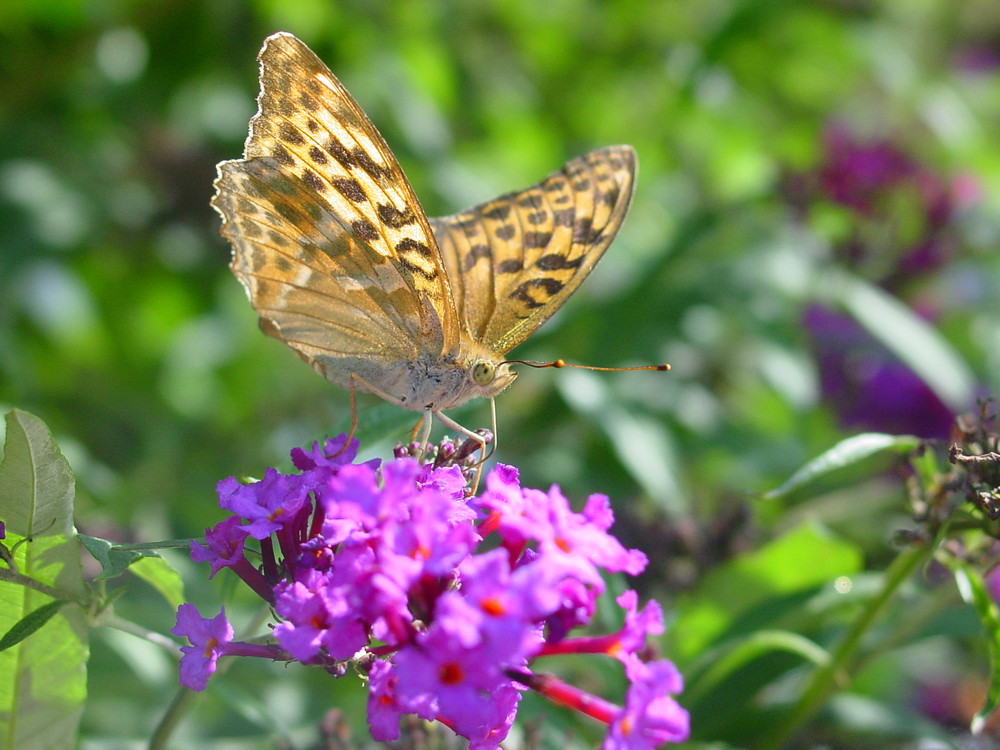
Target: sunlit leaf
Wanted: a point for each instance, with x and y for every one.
(43, 681)
(845, 453)
(973, 590)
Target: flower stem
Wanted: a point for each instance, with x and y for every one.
(836, 673)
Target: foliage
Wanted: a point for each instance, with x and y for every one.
(810, 246)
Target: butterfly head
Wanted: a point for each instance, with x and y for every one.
(487, 376)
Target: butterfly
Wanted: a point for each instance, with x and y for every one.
(342, 264)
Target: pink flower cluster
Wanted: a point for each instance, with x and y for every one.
(446, 601)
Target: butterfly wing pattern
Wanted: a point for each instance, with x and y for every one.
(515, 260)
(341, 263)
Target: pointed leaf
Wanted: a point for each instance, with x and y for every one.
(113, 558)
(29, 624)
(846, 452)
(973, 591)
(43, 679)
(159, 574)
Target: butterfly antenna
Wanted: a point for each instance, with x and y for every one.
(560, 363)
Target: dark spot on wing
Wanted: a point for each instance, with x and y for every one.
(309, 104)
(548, 287)
(339, 152)
(564, 217)
(350, 189)
(407, 246)
(364, 230)
(314, 182)
(499, 213)
(317, 155)
(511, 265)
(536, 239)
(289, 134)
(282, 156)
(554, 262)
(363, 160)
(476, 252)
(470, 225)
(584, 232)
(506, 232)
(393, 217)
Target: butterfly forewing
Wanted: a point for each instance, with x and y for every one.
(336, 188)
(313, 283)
(514, 261)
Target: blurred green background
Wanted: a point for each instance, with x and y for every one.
(811, 246)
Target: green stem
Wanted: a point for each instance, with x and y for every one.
(179, 708)
(127, 626)
(837, 672)
(60, 594)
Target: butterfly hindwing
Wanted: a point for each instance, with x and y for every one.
(515, 260)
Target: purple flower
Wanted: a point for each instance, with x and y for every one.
(384, 710)
(268, 505)
(651, 716)
(452, 675)
(902, 206)
(223, 545)
(867, 386)
(317, 619)
(331, 455)
(992, 581)
(526, 514)
(392, 566)
(208, 638)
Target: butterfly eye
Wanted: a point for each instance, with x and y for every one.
(483, 373)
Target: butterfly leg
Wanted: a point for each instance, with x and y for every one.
(424, 425)
(354, 418)
(451, 424)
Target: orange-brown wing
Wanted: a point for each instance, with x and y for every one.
(328, 238)
(515, 260)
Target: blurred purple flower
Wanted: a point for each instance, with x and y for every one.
(866, 385)
(901, 211)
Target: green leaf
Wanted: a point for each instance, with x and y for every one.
(29, 624)
(43, 679)
(113, 558)
(763, 584)
(846, 452)
(159, 574)
(973, 591)
(36, 484)
(716, 664)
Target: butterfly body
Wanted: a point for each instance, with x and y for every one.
(426, 383)
(341, 262)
